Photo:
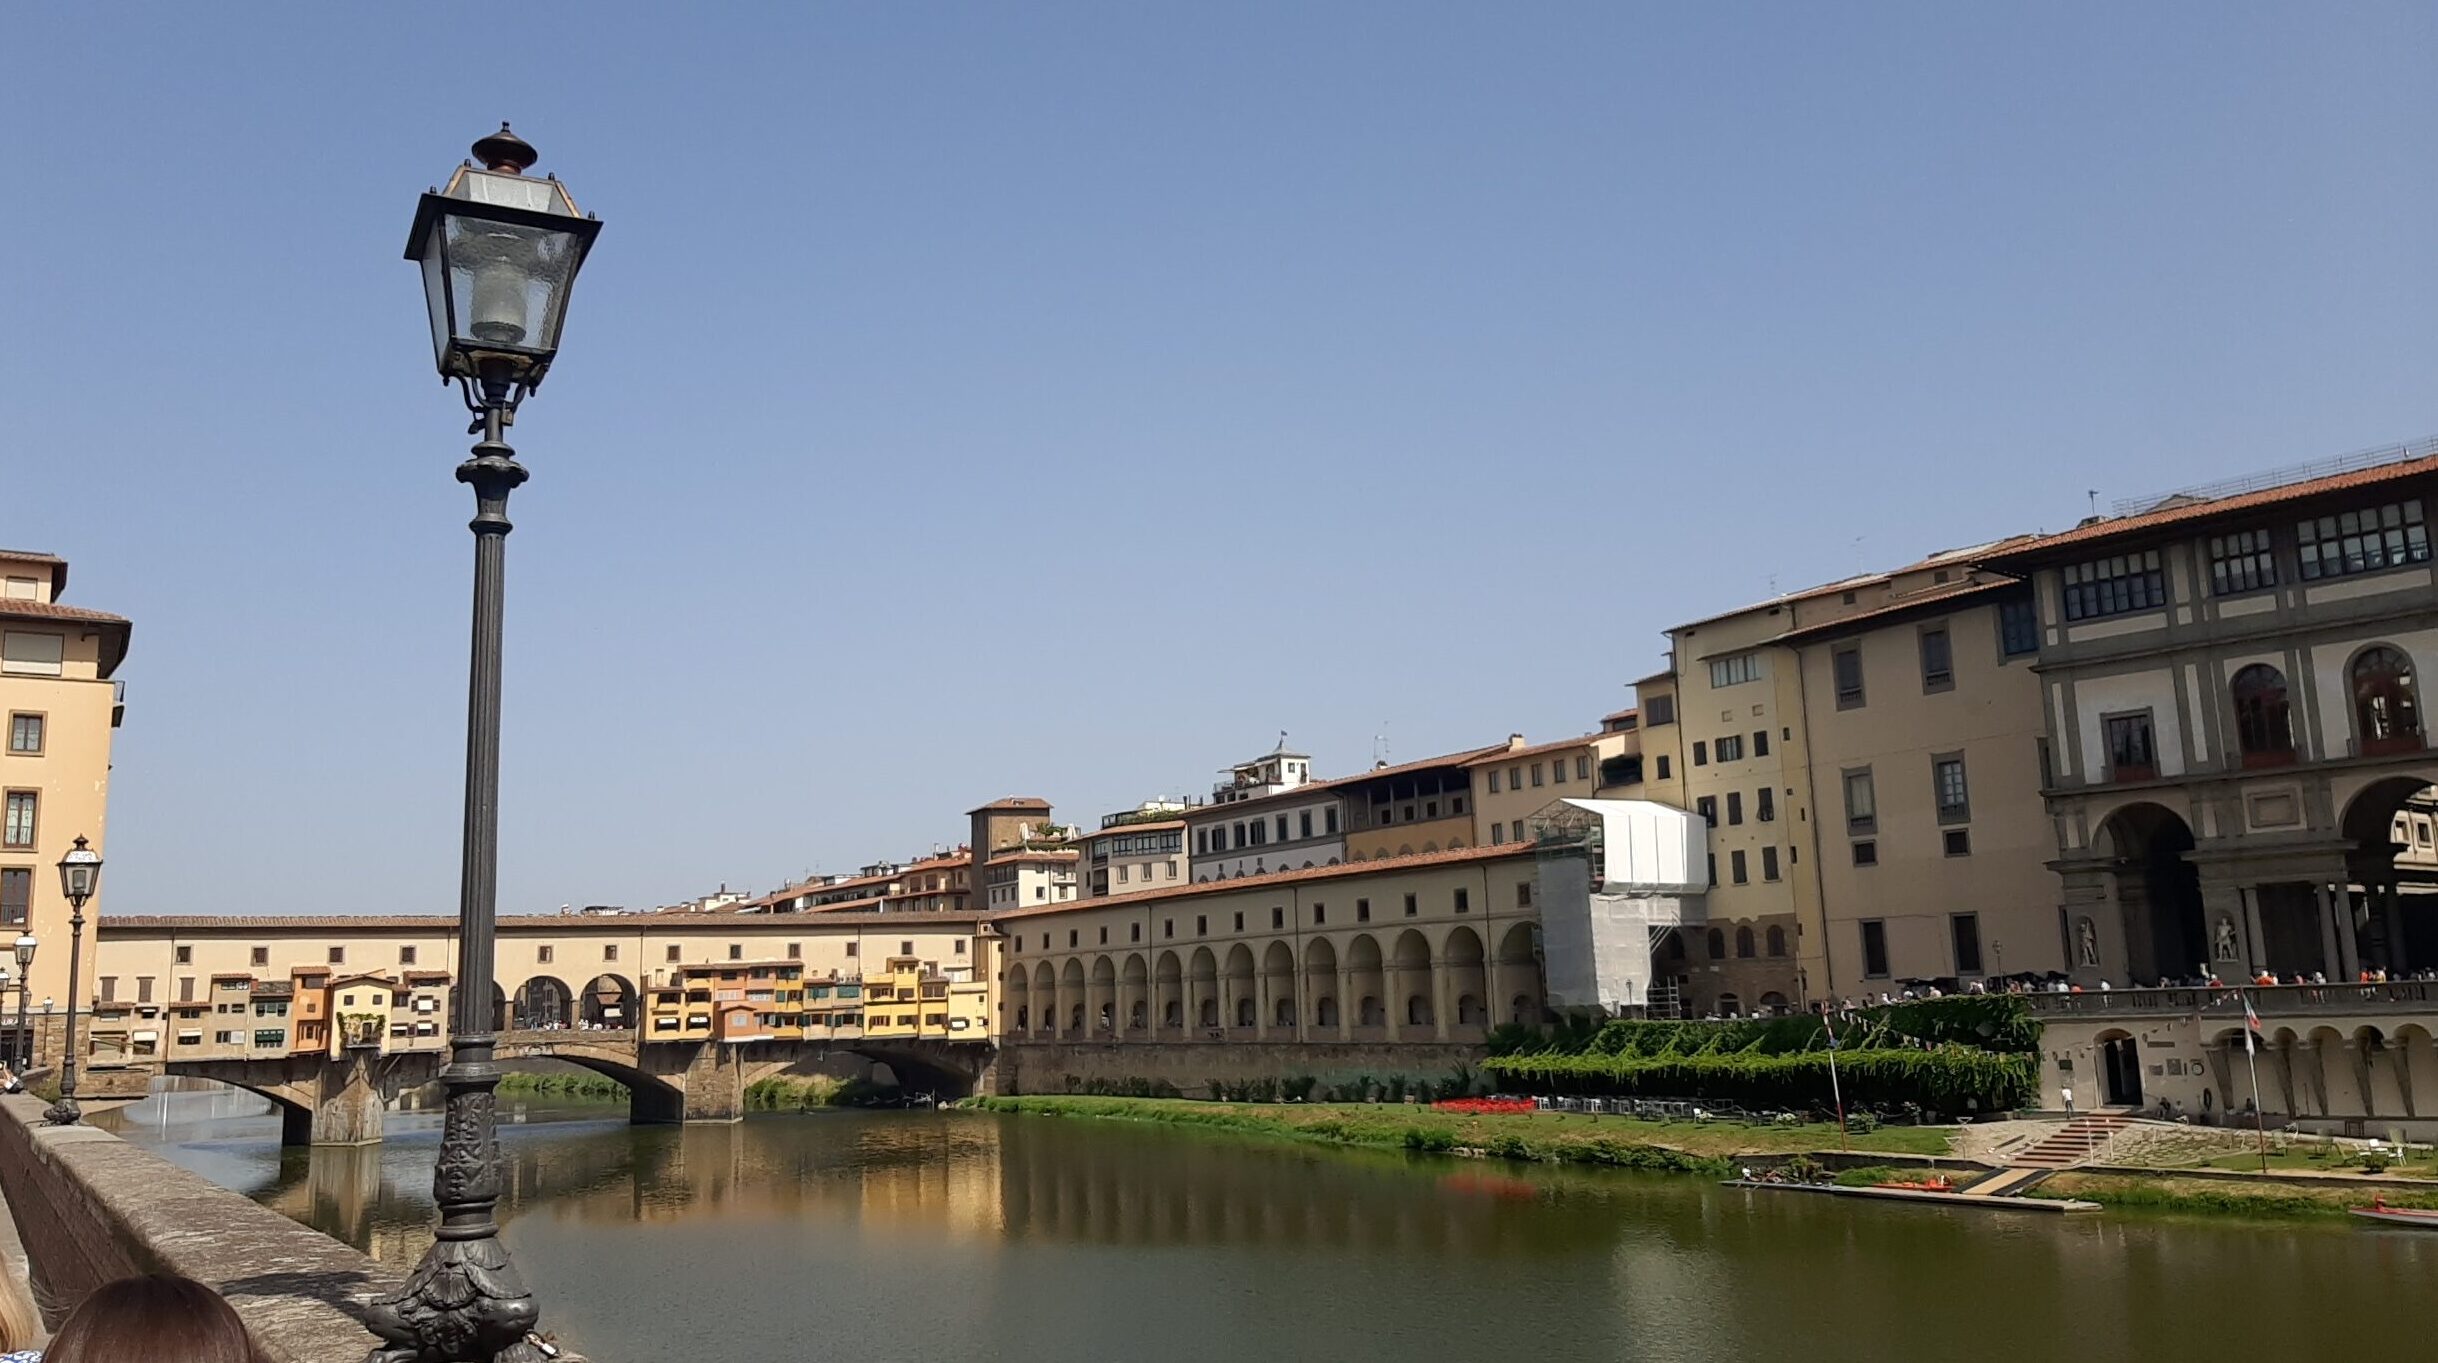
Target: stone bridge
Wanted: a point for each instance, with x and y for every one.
(340, 1101)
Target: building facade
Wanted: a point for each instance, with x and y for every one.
(61, 705)
(2231, 689)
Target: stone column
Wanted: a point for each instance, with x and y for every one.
(2333, 963)
(2348, 946)
(1346, 1004)
(2221, 1072)
(1443, 972)
(2357, 1058)
(2391, 920)
(2400, 1059)
(2252, 932)
(2313, 1061)
(1261, 1004)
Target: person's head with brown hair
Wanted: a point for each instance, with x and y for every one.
(158, 1318)
(20, 1323)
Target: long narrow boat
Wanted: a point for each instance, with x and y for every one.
(2379, 1211)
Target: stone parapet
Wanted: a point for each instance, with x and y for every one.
(91, 1208)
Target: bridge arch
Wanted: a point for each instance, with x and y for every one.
(543, 1003)
(608, 1003)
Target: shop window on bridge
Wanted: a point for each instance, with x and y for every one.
(2386, 709)
(2264, 722)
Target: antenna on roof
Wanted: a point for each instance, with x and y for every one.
(2093, 494)
(1379, 746)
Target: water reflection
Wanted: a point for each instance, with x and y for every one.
(963, 1236)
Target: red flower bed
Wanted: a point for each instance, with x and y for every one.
(1484, 1107)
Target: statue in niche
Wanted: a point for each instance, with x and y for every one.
(2086, 942)
(2226, 938)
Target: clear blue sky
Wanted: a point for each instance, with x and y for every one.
(1062, 400)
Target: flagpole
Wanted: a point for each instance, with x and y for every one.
(2260, 1116)
(1836, 1090)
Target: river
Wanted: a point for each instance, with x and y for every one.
(968, 1236)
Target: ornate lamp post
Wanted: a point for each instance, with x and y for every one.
(25, 986)
(7, 978)
(80, 874)
(499, 251)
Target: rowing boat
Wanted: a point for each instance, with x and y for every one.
(2379, 1211)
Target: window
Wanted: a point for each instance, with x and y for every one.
(1965, 928)
(16, 893)
(1735, 867)
(1716, 941)
(905, 948)
(1947, 783)
(1735, 670)
(1866, 853)
(1735, 807)
(1168, 927)
(1957, 842)
(2362, 541)
(736, 951)
(1707, 807)
(1303, 824)
(1320, 914)
(1743, 944)
(1663, 767)
(1861, 802)
(1202, 925)
(1701, 753)
(19, 829)
(1765, 804)
(1557, 772)
(1874, 949)
(260, 956)
(1769, 865)
(1938, 660)
(1536, 776)
(1845, 666)
(110, 988)
(1073, 938)
(186, 955)
(2131, 754)
(2386, 709)
(1622, 770)
(1239, 920)
(32, 655)
(2263, 725)
(1494, 780)
(1777, 941)
(406, 955)
(672, 957)
(2114, 586)
(338, 956)
(1329, 819)
(25, 735)
(1523, 894)
(1731, 748)
(1362, 911)
(1583, 767)
(2241, 562)
(1278, 917)
(1282, 829)
(2018, 626)
(1657, 710)
(1412, 906)
(186, 989)
(1760, 743)
(1464, 901)
(1498, 832)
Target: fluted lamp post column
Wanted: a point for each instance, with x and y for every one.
(499, 251)
(80, 874)
(25, 986)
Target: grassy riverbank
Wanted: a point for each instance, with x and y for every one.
(1563, 1138)
(2165, 1192)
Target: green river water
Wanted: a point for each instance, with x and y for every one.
(964, 1236)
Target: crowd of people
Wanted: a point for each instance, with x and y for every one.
(155, 1318)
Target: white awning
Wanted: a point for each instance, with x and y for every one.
(148, 1036)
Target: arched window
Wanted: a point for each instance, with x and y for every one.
(1729, 1005)
(1676, 946)
(2264, 726)
(2386, 712)
(1718, 945)
(1773, 1001)
(1777, 942)
(1743, 944)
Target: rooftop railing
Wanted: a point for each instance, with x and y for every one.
(2278, 1000)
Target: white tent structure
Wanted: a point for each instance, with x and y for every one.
(1647, 869)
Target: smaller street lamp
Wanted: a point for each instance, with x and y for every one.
(80, 874)
(25, 986)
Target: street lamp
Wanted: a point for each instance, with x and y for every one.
(25, 986)
(499, 252)
(80, 874)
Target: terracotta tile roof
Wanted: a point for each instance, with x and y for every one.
(1012, 802)
(1034, 854)
(1492, 757)
(641, 925)
(1462, 856)
(1944, 594)
(2098, 531)
(114, 650)
(57, 565)
(1613, 716)
(1945, 558)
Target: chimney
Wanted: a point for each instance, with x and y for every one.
(1515, 742)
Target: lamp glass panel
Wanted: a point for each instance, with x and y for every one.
(507, 282)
